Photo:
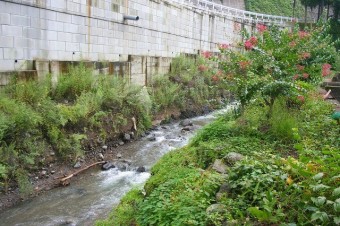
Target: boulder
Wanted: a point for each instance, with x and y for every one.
(140, 169)
(233, 157)
(186, 123)
(121, 143)
(152, 137)
(101, 156)
(219, 166)
(223, 192)
(107, 166)
(77, 165)
(186, 128)
(121, 165)
(126, 137)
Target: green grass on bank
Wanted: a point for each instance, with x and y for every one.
(83, 111)
(290, 173)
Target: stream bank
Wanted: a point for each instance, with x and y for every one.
(92, 194)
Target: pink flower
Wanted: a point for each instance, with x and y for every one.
(223, 46)
(304, 55)
(295, 77)
(300, 67)
(326, 69)
(202, 68)
(248, 45)
(326, 66)
(253, 40)
(206, 54)
(305, 75)
(261, 27)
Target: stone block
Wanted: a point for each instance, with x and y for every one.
(23, 21)
(1, 53)
(59, 4)
(78, 20)
(73, 7)
(20, 42)
(72, 46)
(9, 30)
(65, 37)
(54, 25)
(5, 18)
(13, 53)
(57, 45)
(6, 41)
(7, 65)
(64, 17)
(69, 27)
(80, 38)
(48, 15)
(34, 33)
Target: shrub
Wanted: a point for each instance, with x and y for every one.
(70, 85)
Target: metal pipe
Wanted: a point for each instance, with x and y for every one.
(129, 17)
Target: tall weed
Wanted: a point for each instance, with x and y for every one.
(79, 79)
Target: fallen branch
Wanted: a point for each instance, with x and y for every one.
(64, 181)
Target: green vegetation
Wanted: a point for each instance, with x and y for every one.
(37, 118)
(280, 8)
(291, 180)
(280, 153)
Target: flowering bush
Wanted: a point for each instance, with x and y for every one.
(276, 63)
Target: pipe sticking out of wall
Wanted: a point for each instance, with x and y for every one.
(129, 17)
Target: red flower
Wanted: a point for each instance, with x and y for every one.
(305, 75)
(300, 67)
(253, 40)
(206, 54)
(303, 34)
(261, 27)
(248, 45)
(202, 68)
(326, 69)
(244, 64)
(295, 77)
(223, 46)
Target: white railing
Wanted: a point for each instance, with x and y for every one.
(225, 11)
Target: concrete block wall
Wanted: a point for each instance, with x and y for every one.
(94, 30)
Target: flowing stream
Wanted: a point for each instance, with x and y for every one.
(92, 197)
